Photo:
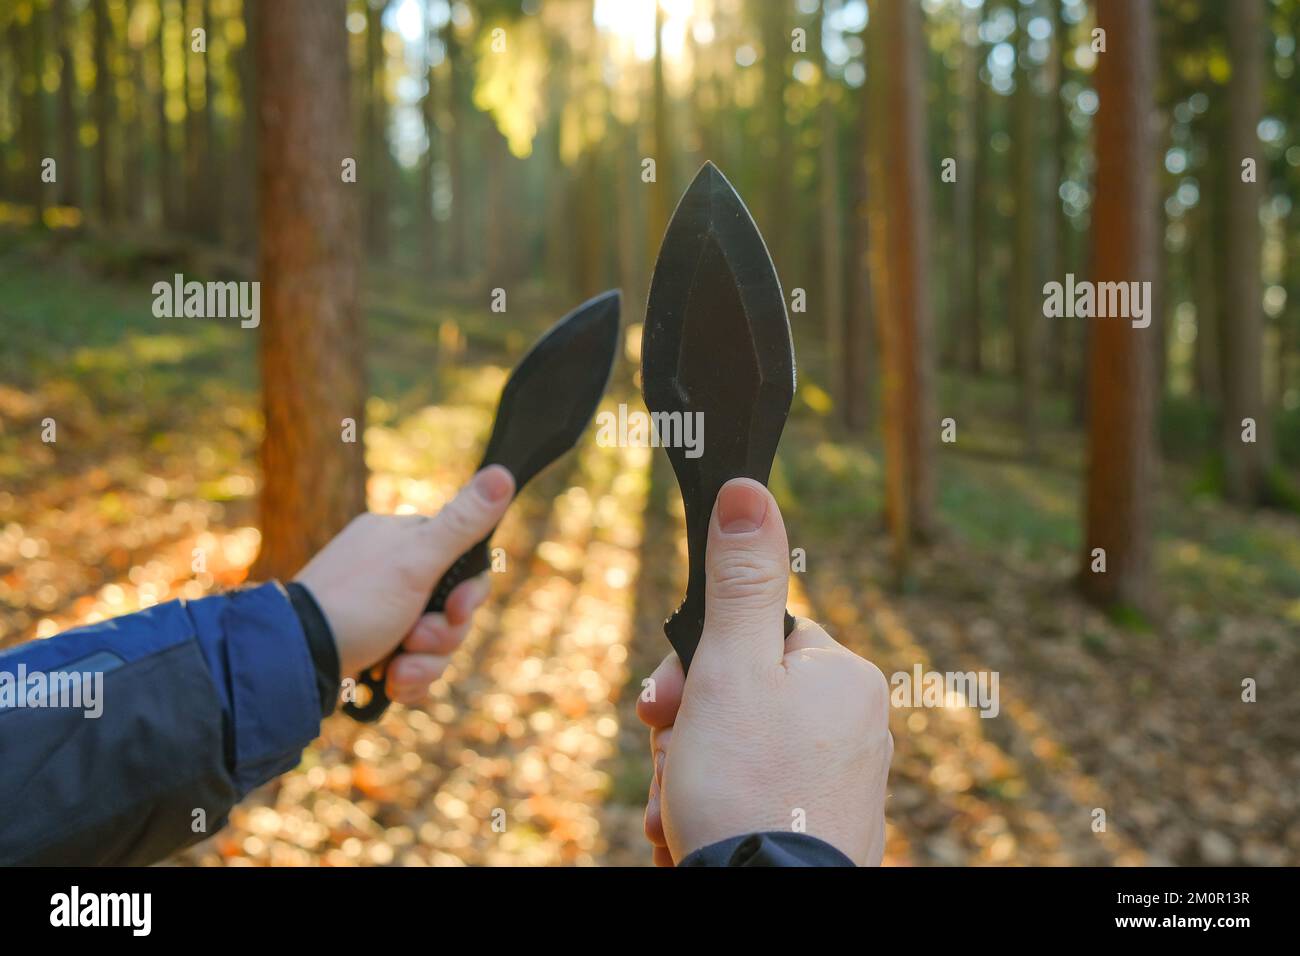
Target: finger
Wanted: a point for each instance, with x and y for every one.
(662, 697)
(434, 634)
(469, 517)
(660, 739)
(465, 599)
(410, 675)
(809, 634)
(747, 575)
(662, 857)
(654, 822)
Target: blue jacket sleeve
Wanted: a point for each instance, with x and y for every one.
(126, 740)
(768, 849)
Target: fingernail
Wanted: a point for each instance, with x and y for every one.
(660, 756)
(493, 484)
(741, 508)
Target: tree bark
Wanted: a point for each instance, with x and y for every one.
(898, 193)
(964, 304)
(1245, 464)
(106, 198)
(775, 147)
(832, 242)
(455, 146)
(69, 124)
(312, 353)
(1121, 426)
(663, 194)
(133, 191)
(1026, 299)
(428, 163)
(856, 361)
(30, 44)
(166, 154)
(378, 171)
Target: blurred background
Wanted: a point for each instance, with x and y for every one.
(919, 171)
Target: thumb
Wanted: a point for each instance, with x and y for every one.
(469, 517)
(747, 574)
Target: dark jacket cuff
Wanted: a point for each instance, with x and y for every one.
(777, 848)
(260, 663)
(320, 642)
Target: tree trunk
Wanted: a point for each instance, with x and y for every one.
(378, 171)
(166, 154)
(832, 243)
(106, 198)
(30, 44)
(856, 361)
(455, 146)
(1058, 228)
(312, 353)
(428, 164)
(1206, 371)
(663, 193)
(65, 29)
(775, 148)
(979, 234)
(244, 229)
(133, 191)
(1121, 439)
(898, 192)
(1245, 464)
(197, 196)
(1027, 299)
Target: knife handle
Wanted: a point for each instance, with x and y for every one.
(686, 626)
(470, 564)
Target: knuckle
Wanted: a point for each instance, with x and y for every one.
(875, 690)
(459, 519)
(742, 574)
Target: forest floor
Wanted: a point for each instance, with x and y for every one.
(157, 425)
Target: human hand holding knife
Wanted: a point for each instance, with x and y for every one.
(717, 344)
(546, 404)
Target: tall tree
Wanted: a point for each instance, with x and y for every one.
(64, 29)
(429, 162)
(163, 127)
(855, 350)
(378, 170)
(201, 171)
(832, 243)
(313, 374)
(1058, 227)
(899, 198)
(30, 42)
(661, 197)
(775, 146)
(1026, 297)
(965, 294)
(1245, 463)
(105, 179)
(133, 151)
(1121, 368)
(244, 209)
(456, 135)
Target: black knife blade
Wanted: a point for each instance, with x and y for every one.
(545, 405)
(716, 342)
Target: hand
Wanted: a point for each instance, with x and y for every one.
(374, 579)
(765, 726)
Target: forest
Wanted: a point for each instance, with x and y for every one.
(1042, 266)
